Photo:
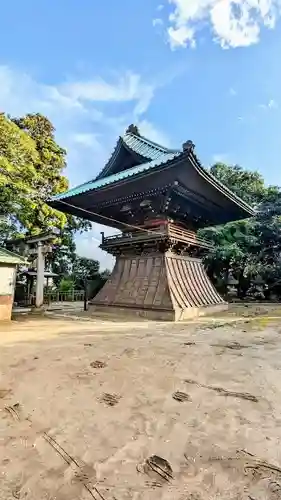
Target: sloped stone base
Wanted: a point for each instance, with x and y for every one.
(158, 286)
(133, 314)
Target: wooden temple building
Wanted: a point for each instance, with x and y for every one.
(158, 198)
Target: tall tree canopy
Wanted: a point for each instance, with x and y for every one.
(252, 247)
(248, 185)
(31, 170)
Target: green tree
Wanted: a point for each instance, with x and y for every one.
(51, 165)
(251, 247)
(105, 274)
(84, 268)
(250, 186)
(31, 170)
(30, 173)
(18, 156)
(268, 232)
(235, 244)
(246, 184)
(66, 285)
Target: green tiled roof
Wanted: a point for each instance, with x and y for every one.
(7, 257)
(139, 145)
(153, 155)
(144, 147)
(104, 181)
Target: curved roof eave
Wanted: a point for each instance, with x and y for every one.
(111, 160)
(145, 149)
(103, 182)
(211, 179)
(165, 159)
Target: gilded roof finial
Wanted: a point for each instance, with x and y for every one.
(133, 129)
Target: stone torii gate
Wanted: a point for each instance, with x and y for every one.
(36, 248)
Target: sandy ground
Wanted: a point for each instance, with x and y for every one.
(93, 409)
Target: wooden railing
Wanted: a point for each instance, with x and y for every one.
(157, 232)
(187, 235)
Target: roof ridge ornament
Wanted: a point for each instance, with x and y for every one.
(188, 146)
(133, 129)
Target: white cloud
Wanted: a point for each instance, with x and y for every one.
(86, 139)
(84, 126)
(154, 134)
(233, 23)
(220, 158)
(77, 110)
(20, 93)
(157, 22)
(232, 92)
(271, 104)
(127, 88)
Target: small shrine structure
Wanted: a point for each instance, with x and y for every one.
(158, 198)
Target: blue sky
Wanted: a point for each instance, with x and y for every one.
(205, 70)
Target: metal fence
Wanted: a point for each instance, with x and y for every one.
(70, 296)
(52, 296)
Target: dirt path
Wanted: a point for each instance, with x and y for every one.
(92, 409)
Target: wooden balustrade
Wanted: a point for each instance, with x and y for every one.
(187, 235)
(157, 232)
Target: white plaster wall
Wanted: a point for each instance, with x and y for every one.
(7, 280)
